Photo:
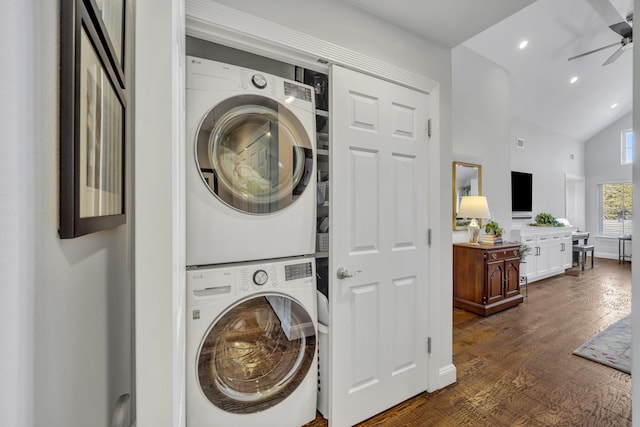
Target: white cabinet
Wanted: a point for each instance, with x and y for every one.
(555, 254)
(528, 265)
(550, 251)
(567, 249)
(542, 255)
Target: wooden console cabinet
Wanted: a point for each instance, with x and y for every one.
(486, 278)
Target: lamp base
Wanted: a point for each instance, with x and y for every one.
(474, 232)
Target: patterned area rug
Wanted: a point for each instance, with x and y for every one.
(611, 347)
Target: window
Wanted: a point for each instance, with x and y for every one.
(627, 146)
(616, 204)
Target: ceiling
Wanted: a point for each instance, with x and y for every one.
(540, 73)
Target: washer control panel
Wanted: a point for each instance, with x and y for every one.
(224, 282)
(250, 79)
(259, 81)
(260, 277)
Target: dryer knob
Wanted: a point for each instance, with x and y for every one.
(260, 277)
(259, 81)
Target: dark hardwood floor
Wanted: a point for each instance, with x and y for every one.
(516, 368)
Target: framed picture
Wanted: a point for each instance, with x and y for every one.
(108, 18)
(92, 124)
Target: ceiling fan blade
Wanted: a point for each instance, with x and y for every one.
(615, 56)
(606, 10)
(622, 28)
(593, 51)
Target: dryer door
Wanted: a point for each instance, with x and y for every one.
(256, 354)
(254, 154)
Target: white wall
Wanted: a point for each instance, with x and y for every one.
(17, 213)
(602, 163)
(481, 101)
(338, 23)
(547, 155)
(66, 305)
(484, 132)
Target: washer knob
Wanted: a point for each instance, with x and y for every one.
(260, 277)
(259, 81)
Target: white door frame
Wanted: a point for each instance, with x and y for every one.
(575, 200)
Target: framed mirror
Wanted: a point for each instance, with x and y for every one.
(467, 181)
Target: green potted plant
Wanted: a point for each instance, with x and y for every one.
(492, 227)
(545, 219)
(492, 233)
(524, 251)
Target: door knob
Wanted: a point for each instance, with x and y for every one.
(343, 273)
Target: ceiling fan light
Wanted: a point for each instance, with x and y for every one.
(523, 44)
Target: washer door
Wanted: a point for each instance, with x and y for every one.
(256, 354)
(254, 154)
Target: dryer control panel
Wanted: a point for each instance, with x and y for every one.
(216, 283)
(298, 271)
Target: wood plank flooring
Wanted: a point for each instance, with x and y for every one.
(516, 368)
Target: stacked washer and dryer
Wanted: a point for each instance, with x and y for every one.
(251, 289)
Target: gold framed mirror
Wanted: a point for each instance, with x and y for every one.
(467, 181)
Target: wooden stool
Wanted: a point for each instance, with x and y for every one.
(582, 250)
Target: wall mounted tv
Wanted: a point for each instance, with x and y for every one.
(521, 192)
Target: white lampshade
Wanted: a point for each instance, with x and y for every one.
(474, 207)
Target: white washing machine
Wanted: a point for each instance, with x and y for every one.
(252, 344)
(250, 173)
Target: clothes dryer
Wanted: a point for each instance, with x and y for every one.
(250, 165)
(252, 344)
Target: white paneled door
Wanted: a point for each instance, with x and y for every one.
(379, 252)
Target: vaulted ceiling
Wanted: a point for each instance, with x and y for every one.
(541, 88)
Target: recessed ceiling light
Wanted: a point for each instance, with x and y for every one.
(573, 79)
(614, 105)
(523, 44)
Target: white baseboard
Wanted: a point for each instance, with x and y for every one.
(446, 376)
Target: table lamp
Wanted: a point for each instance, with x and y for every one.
(474, 207)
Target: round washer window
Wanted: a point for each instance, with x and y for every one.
(254, 154)
(256, 354)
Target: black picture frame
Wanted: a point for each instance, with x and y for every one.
(93, 115)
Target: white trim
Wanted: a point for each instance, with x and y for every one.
(212, 21)
(159, 215)
(446, 376)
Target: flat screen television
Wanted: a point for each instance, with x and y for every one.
(521, 191)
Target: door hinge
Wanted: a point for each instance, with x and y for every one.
(429, 128)
(428, 345)
(429, 237)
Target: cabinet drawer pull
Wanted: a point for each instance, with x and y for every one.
(494, 256)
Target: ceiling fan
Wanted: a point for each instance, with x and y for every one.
(623, 29)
